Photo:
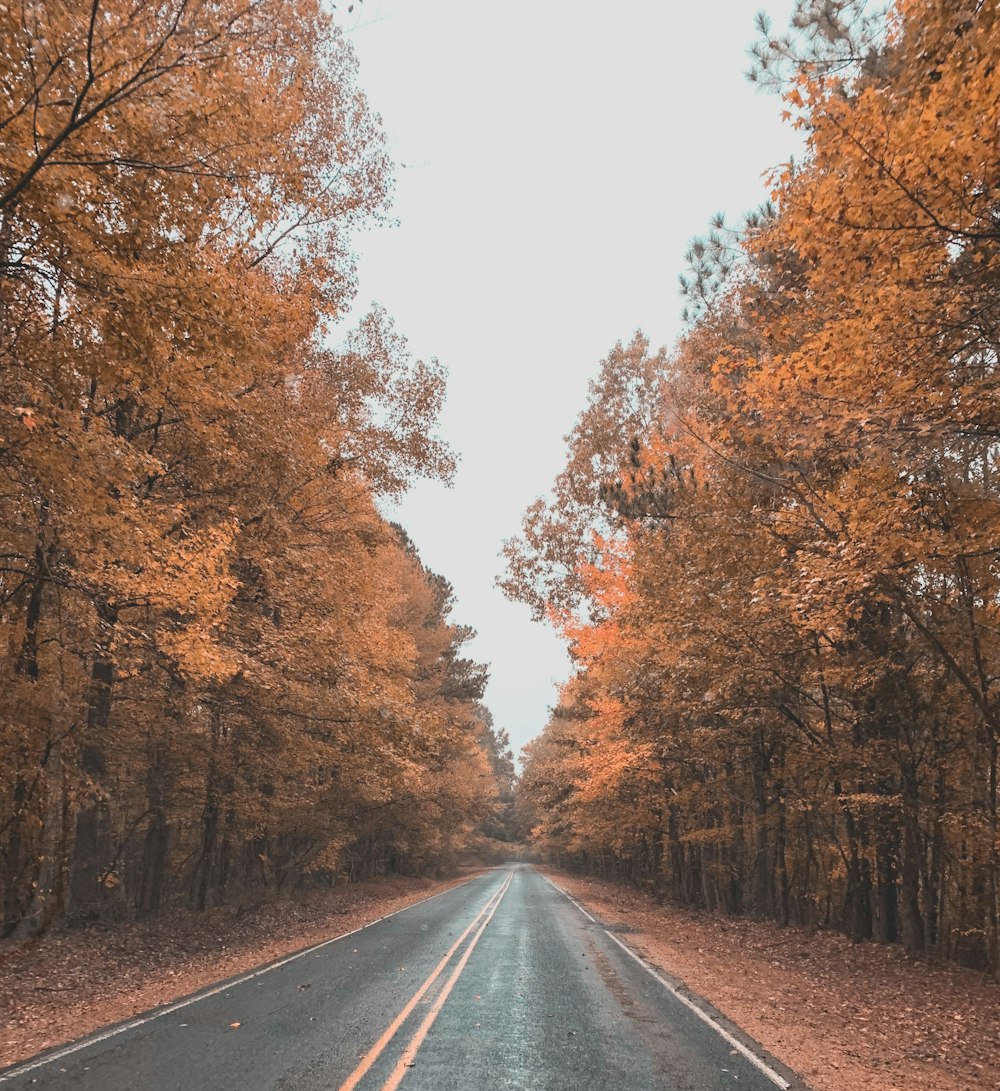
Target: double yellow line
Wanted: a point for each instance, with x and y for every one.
(478, 926)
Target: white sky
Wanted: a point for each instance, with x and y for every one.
(559, 158)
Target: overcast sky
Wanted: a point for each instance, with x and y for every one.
(559, 156)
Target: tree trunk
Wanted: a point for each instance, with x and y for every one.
(912, 863)
(886, 908)
(857, 899)
(159, 784)
(48, 901)
(15, 859)
(155, 849)
(779, 855)
(210, 822)
(93, 853)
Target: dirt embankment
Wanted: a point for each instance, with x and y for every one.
(846, 1017)
(68, 984)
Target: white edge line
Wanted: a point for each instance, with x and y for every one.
(568, 897)
(752, 1057)
(703, 1015)
(101, 1036)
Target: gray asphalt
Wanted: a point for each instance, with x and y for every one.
(547, 1000)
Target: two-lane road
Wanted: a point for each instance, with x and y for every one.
(500, 983)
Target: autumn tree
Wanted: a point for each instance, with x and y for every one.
(203, 657)
(789, 593)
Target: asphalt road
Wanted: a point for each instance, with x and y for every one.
(502, 983)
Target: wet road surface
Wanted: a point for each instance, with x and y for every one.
(501, 983)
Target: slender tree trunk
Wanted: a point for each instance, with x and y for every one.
(93, 853)
(155, 856)
(886, 908)
(779, 855)
(22, 859)
(210, 821)
(15, 858)
(911, 866)
(155, 849)
(762, 866)
(48, 901)
(934, 885)
(993, 864)
(678, 870)
(27, 660)
(857, 900)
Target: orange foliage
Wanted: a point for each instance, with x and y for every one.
(221, 670)
(792, 647)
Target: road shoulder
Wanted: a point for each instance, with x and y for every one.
(846, 1017)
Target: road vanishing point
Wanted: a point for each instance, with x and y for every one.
(503, 982)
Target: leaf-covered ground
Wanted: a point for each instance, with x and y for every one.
(71, 983)
(846, 1017)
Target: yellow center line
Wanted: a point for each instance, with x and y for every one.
(406, 1060)
(372, 1055)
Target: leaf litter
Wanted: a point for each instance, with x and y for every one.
(70, 983)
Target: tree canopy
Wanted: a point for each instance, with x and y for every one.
(222, 671)
(781, 591)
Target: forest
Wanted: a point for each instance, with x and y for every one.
(223, 672)
(226, 673)
(773, 549)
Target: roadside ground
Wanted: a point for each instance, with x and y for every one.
(70, 983)
(846, 1017)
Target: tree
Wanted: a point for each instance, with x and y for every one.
(204, 658)
(795, 609)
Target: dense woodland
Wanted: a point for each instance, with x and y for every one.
(223, 673)
(774, 549)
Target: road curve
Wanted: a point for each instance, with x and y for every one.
(501, 983)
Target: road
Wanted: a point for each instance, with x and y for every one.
(501, 983)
